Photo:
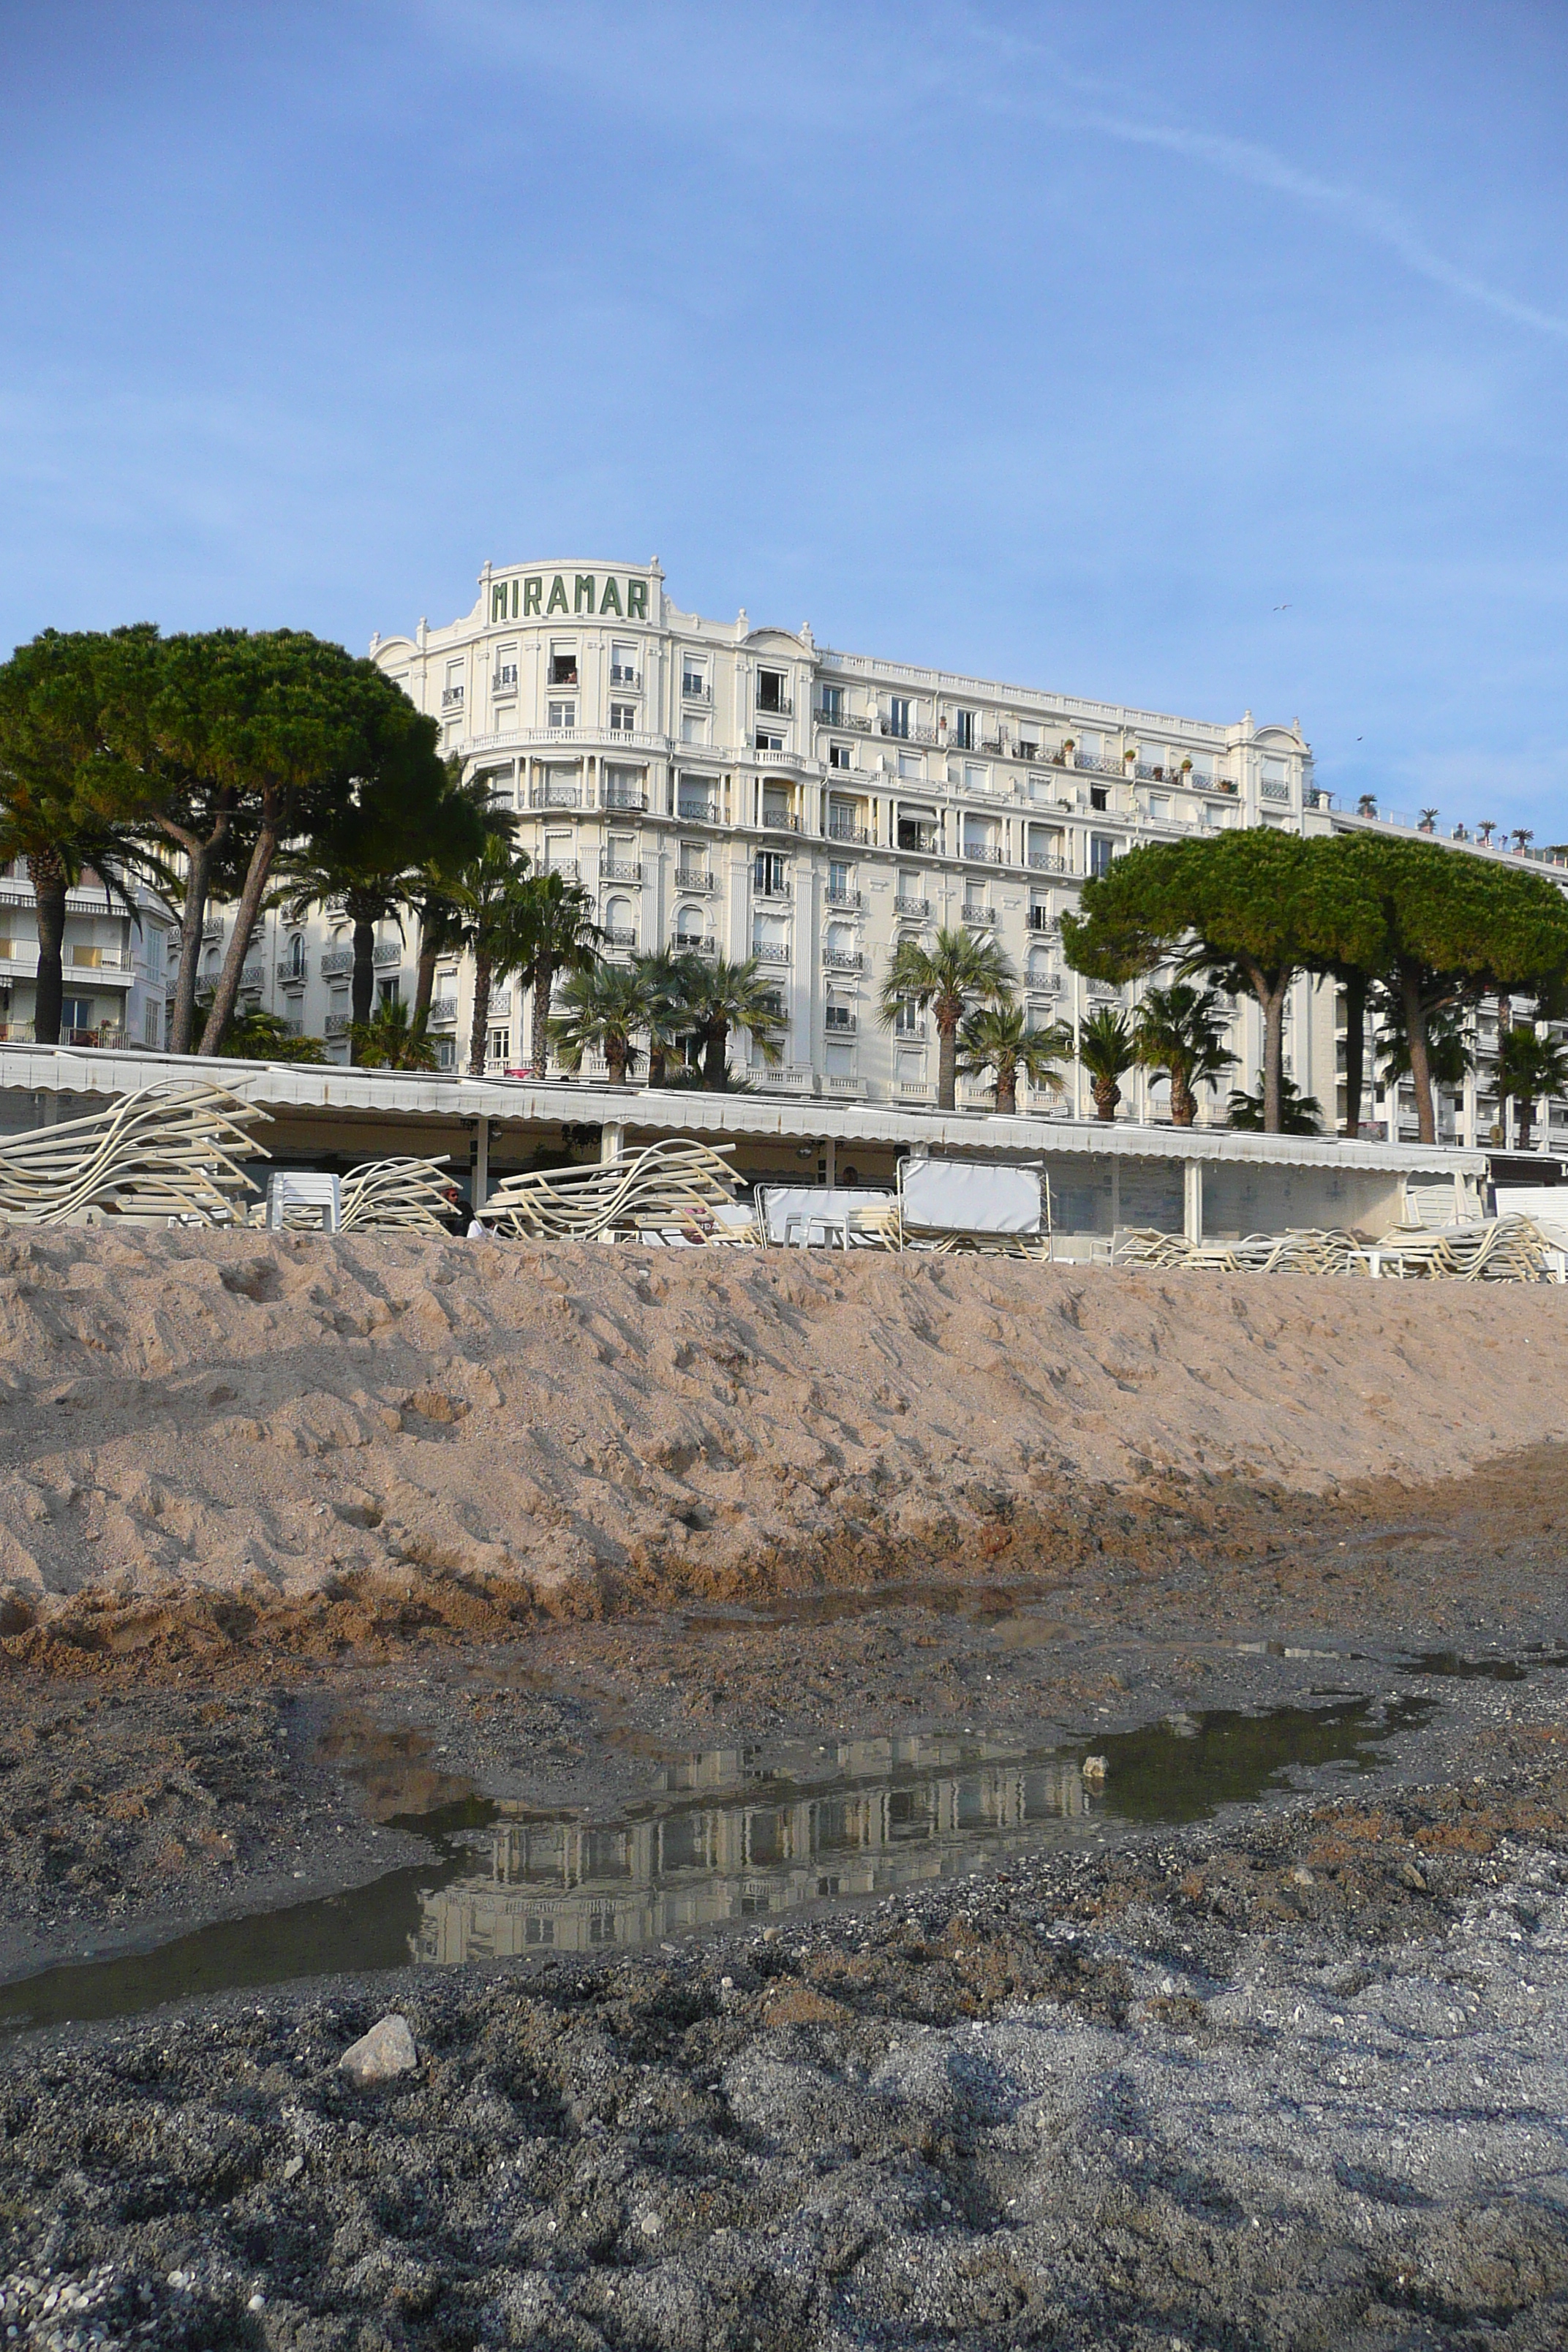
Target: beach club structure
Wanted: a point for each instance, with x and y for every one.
(737, 792)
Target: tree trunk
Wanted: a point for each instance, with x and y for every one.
(478, 1032)
(1355, 1050)
(1006, 1091)
(1526, 1115)
(657, 1053)
(715, 1054)
(1420, 1063)
(542, 980)
(226, 994)
(1106, 1095)
(361, 988)
(615, 1060)
(1273, 1061)
(425, 982)
(946, 1064)
(199, 856)
(47, 875)
(1184, 1102)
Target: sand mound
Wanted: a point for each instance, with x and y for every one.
(269, 1418)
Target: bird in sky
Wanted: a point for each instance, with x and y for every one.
(1281, 608)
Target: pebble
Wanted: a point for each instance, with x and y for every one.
(386, 2051)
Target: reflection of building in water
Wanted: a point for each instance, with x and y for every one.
(894, 1813)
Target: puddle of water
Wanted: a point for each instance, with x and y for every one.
(364, 1927)
(1453, 1662)
(725, 1835)
(982, 1602)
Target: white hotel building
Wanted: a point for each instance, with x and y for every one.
(743, 792)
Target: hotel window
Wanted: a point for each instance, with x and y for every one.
(558, 856)
(1099, 796)
(838, 1016)
(963, 731)
(563, 714)
(623, 666)
(770, 872)
(909, 1020)
(499, 1048)
(840, 878)
(769, 742)
(830, 705)
(976, 778)
(506, 670)
(452, 692)
(771, 690)
(693, 729)
(839, 755)
(694, 676)
(1101, 850)
(623, 718)
(563, 665)
(910, 764)
(899, 710)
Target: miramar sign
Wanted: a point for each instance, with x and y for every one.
(536, 595)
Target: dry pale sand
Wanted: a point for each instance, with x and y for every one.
(278, 1417)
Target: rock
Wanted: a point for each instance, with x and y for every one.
(386, 2051)
(1410, 1876)
(1095, 1768)
(1302, 1877)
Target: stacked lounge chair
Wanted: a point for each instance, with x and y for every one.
(410, 1195)
(1498, 1249)
(171, 1151)
(675, 1191)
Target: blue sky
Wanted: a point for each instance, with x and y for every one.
(1199, 357)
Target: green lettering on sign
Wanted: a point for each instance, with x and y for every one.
(636, 600)
(497, 603)
(514, 600)
(531, 590)
(583, 591)
(610, 601)
(557, 602)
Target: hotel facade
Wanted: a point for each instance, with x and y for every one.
(735, 792)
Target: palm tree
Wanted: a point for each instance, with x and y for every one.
(667, 980)
(1179, 1034)
(1299, 1114)
(719, 997)
(480, 908)
(1522, 837)
(957, 972)
(998, 1037)
(440, 921)
(1486, 829)
(555, 932)
(314, 875)
(1531, 1069)
(1428, 820)
(1107, 1050)
(392, 1040)
(603, 1007)
(258, 1037)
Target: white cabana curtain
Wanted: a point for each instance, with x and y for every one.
(963, 1196)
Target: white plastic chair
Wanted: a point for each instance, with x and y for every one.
(293, 1192)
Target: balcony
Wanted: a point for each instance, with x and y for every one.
(500, 1004)
(252, 979)
(844, 901)
(1044, 983)
(619, 937)
(1042, 919)
(910, 734)
(912, 1090)
(918, 841)
(630, 797)
(1271, 791)
(76, 957)
(451, 697)
(842, 1084)
(1045, 861)
(337, 963)
(293, 970)
(771, 951)
(337, 1024)
(695, 689)
(696, 812)
(842, 718)
(912, 911)
(563, 671)
(779, 893)
(777, 820)
(842, 960)
(555, 796)
(565, 867)
(388, 952)
(981, 919)
(504, 683)
(1103, 991)
(443, 1012)
(630, 679)
(782, 708)
(686, 943)
(982, 852)
(839, 1022)
(212, 928)
(612, 869)
(844, 828)
(1097, 763)
(696, 883)
(784, 1078)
